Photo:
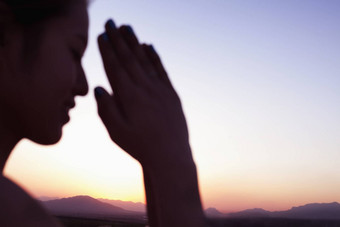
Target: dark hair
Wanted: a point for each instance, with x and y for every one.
(32, 16)
(29, 12)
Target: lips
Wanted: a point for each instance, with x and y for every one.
(68, 106)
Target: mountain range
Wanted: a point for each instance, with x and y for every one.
(86, 206)
(320, 211)
(126, 205)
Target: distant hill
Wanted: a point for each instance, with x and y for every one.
(46, 198)
(84, 206)
(326, 211)
(251, 213)
(127, 205)
(214, 213)
(312, 211)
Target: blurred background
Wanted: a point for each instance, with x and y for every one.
(259, 83)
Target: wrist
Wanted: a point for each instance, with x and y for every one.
(180, 176)
(174, 159)
(175, 187)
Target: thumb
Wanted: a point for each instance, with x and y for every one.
(108, 111)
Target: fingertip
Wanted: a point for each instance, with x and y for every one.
(153, 50)
(103, 37)
(129, 35)
(129, 30)
(103, 100)
(110, 24)
(99, 92)
(108, 110)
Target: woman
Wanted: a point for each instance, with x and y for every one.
(41, 46)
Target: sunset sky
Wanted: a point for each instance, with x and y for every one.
(260, 86)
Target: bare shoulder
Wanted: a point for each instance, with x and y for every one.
(19, 209)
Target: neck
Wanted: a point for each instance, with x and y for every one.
(7, 143)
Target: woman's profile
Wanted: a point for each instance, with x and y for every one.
(41, 46)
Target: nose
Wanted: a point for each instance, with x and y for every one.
(81, 87)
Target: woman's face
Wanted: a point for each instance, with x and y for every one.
(39, 94)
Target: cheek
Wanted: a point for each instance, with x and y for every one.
(54, 84)
(61, 73)
(64, 69)
(54, 79)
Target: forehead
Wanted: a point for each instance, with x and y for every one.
(75, 20)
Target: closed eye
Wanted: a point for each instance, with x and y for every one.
(77, 46)
(76, 54)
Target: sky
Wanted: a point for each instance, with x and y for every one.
(259, 83)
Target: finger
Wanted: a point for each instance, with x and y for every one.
(109, 112)
(134, 45)
(125, 55)
(117, 76)
(157, 63)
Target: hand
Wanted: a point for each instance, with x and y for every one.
(144, 114)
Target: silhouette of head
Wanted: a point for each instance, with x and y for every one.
(41, 46)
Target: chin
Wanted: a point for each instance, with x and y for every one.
(49, 138)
